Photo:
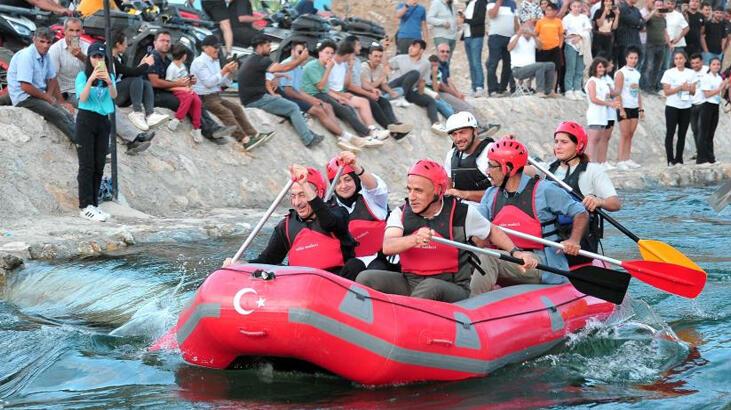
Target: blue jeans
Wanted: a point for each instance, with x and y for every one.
(444, 108)
(574, 69)
(285, 108)
(497, 47)
(707, 56)
(654, 56)
(473, 49)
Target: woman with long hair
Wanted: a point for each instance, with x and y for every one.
(627, 86)
(712, 86)
(603, 146)
(598, 96)
(678, 86)
(605, 21)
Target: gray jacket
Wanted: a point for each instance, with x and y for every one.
(438, 14)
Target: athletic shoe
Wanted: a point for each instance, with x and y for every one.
(155, 118)
(197, 136)
(92, 213)
(490, 129)
(373, 142)
(569, 94)
(145, 136)
(138, 120)
(439, 129)
(135, 147)
(623, 166)
(479, 92)
(400, 128)
(173, 124)
(633, 164)
(104, 215)
(379, 134)
(257, 139)
(608, 166)
(346, 145)
(580, 94)
(401, 102)
(317, 138)
(222, 132)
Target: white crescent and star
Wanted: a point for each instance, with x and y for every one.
(237, 301)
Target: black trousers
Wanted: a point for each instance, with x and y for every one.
(555, 56)
(695, 119)
(346, 114)
(92, 142)
(676, 118)
(708, 123)
(166, 99)
(382, 112)
(408, 82)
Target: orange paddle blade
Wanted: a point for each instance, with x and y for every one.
(675, 279)
(661, 252)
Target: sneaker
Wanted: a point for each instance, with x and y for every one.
(135, 147)
(359, 142)
(400, 128)
(608, 166)
(373, 142)
(379, 134)
(623, 166)
(439, 129)
(346, 145)
(316, 139)
(569, 94)
(173, 124)
(580, 94)
(490, 129)
(92, 214)
(633, 164)
(197, 136)
(145, 136)
(401, 102)
(138, 120)
(155, 118)
(257, 139)
(479, 92)
(222, 132)
(104, 215)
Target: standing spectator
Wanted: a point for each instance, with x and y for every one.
(549, 30)
(699, 71)
(678, 86)
(503, 25)
(628, 31)
(242, 16)
(253, 92)
(713, 86)
(412, 25)
(656, 46)
(677, 29)
(95, 88)
(577, 29)
(611, 117)
(599, 98)
(695, 20)
(32, 84)
(605, 21)
(443, 22)
(190, 103)
(627, 86)
(211, 78)
(68, 57)
(529, 11)
(714, 36)
(523, 47)
(218, 11)
(474, 38)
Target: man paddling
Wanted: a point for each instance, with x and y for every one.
(528, 205)
(432, 270)
(465, 162)
(313, 234)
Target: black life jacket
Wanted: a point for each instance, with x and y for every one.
(465, 174)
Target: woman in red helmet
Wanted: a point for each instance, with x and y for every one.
(313, 234)
(529, 205)
(365, 197)
(432, 270)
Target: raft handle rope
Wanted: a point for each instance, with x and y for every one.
(263, 274)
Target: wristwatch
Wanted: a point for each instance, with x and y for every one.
(512, 251)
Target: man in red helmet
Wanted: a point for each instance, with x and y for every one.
(529, 205)
(313, 234)
(432, 270)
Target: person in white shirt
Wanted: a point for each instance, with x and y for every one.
(577, 30)
(190, 103)
(677, 28)
(611, 119)
(627, 87)
(522, 49)
(598, 96)
(699, 71)
(679, 86)
(712, 86)
(68, 57)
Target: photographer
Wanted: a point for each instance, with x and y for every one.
(412, 25)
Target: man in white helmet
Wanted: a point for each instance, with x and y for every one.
(466, 162)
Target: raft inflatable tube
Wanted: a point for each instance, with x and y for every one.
(367, 336)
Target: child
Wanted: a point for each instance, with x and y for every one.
(549, 30)
(190, 103)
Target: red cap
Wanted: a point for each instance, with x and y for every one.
(575, 130)
(432, 171)
(332, 168)
(507, 151)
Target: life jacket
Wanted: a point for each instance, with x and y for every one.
(518, 213)
(366, 229)
(310, 245)
(435, 258)
(464, 172)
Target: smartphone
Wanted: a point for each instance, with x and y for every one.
(149, 49)
(75, 41)
(101, 65)
(234, 57)
(664, 10)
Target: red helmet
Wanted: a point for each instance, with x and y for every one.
(509, 151)
(575, 130)
(315, 178)
(332, 168)
(432, 171)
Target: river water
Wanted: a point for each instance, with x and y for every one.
(75, 335)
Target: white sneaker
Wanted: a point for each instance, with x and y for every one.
(346, 145)
(608, 166)
(173, 124)
(439, 129)
(633, 164)
(479, 92)
(373, 142)
(92, 214)
(569, 94)
(380, 134)
(197, 136)
(104, 215)
(138, 120)
(155, 118)
(623, 166)
(401, 102)
(580, 94)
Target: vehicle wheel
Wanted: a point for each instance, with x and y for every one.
(5, 56)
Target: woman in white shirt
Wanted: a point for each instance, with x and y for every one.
(678, 86)
(577, 29)
(598, 96)
(627, 86)
(712, 86)
(603, 145)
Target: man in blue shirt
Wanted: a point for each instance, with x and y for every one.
(30, 78)
(412, 25)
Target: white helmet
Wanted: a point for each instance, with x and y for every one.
(462, 119)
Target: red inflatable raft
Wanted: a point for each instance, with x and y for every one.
(367, 336)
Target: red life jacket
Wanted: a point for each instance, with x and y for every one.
(310, 245)
(366, 228)
(435, 258)
(519, 214)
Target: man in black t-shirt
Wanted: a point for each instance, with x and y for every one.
(696, 20)
(714, 36)
(241, 16)
(253, 92)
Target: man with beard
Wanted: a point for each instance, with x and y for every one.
(466, 162)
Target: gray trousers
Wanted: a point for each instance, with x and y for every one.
(54, 114)
(462, 105)
(544, 72)
(446, 287)
(284, 108)
(495, 268)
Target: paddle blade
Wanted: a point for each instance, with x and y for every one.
(674, 279)
(719, 199)
(656, 251)
(606, 284)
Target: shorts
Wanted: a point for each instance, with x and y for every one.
(304, 105)
(597, 127)
(631, 114)
(610, 124)
(216, 9)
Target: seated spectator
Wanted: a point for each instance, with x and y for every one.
(290, 86)
(410, 72)
(522, 49)
(412, 25)
(68, 57)
(253, 92)
(32, 79)
(163, 89)
(432, 84)
(315, 81)
(95, 88)
(210, 80)
(374, 75)
(190, 103)
(549, 30)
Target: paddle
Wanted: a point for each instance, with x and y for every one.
(331, 188)
(719, 199)
(263, 220)
(601, 283)
(650, 250)
(676, 279)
